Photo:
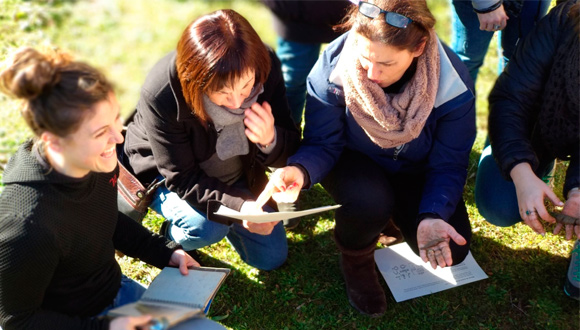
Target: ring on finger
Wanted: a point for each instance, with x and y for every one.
(496, 27)
(530, 212)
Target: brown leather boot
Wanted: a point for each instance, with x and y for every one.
(363, 289)
(391, 235)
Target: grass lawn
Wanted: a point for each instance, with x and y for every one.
(125, 38)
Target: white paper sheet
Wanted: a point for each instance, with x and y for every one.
(409, 277)
(272, 216)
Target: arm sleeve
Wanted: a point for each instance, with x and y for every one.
(287, 132)
(515, 95)
(27, 267)
(136, 241)
(323, 139)
(448, 160)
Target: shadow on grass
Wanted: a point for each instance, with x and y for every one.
(524, 289)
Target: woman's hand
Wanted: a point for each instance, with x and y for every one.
(494, 20)
(531, 192)
(433, 237)
(571, 208)
(184, 261)
(130, 322)
(256, 228)
(284, 186)
(259, 123)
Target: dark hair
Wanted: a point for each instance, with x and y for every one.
(58, 92)
(214, 51)
(379, 30)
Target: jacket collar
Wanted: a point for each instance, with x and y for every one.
(183, 110)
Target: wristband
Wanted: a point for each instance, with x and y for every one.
(489, 9)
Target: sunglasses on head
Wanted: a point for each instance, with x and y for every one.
(373, 11)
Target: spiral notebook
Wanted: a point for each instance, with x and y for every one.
(176, 297)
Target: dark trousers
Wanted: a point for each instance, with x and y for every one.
(370, 197)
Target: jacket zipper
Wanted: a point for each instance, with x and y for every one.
(398, 149)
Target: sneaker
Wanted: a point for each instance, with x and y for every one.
(572, 285)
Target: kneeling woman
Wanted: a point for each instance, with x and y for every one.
(59, 223)
(390, 123)
(212, 117)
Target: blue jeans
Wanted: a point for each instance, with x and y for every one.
(191, 228)
(130, 292)
(471, 43)
(297, 60)
(496, 197)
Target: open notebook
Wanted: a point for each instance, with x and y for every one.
(175, 297)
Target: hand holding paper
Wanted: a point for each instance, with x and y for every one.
(284, 186)
(265, 228)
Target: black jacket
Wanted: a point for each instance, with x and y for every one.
(516, 100)
(165, 137)
(58, 237)
(307, 21)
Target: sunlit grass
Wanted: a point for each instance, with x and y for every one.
(125, 38)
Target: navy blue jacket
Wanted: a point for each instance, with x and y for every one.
(441, 151)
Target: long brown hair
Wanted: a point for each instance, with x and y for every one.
(214, 51)
(379, 30)
(58, 92)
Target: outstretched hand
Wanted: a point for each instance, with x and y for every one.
(433, 237)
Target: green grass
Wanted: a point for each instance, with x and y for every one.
(125, 38)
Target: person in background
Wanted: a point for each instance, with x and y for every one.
(211, 119)
(474, 23)
(533, 120)
(59, 225)
(389, 126)
(302, 27)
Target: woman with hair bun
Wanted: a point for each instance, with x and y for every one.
(390, 121)
(59, 225)
(212, 118)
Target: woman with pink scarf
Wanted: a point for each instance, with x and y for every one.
(389, 125)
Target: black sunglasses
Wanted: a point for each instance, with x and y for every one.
(373, 11)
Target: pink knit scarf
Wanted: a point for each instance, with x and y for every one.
(390, 120)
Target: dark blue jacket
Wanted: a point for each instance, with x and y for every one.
(441, 151)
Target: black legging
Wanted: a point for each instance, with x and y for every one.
(370, 196)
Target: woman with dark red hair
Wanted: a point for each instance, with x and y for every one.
(212, 117)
